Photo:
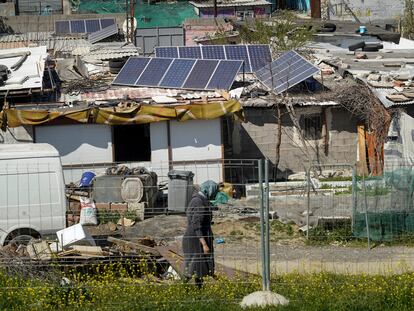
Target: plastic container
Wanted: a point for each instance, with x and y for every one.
(362, 29)
(87, 178)
(180, 190)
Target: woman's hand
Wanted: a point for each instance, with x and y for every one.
(206, 249)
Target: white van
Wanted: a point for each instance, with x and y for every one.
(32, 192)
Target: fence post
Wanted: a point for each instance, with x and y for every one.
(262, 226)
(308, 182)
(267, 226)
(366, 210)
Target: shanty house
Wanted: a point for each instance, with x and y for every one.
(241, 9)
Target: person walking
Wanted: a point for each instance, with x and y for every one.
(198, 238)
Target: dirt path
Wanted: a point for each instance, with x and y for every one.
(306, 259)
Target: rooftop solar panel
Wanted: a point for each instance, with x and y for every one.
(286, 71)
(254, 56)
(131, 71)
(237, 52)
(200, 74)
(105, 22)
(83, 25)
(178, 73)
(223, 77)
(259, 56)
(189, 52)
(62, 27)
(213, 52)
(77, 26)
(154, 72)
(171, 52)
(93, 25)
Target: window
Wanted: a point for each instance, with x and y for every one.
(311, 126)
(132, 143)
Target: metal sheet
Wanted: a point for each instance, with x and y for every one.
(103, 33)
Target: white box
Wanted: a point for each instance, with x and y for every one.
(75, 234)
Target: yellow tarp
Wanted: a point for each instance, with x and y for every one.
(137, 114)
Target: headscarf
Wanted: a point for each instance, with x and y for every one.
(209, 188)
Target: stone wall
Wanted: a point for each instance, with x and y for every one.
(257, 139)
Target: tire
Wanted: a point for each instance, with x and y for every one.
(117, 63)
(355, 46)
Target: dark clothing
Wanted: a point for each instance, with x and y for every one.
(199, 216)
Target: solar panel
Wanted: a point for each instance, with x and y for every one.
(131, 71)
(213, 52)
(259, 56)
(178, 73)
(77, 26)
(171, 52)
(103, 33)
(286, 71)
(189, 52)
(224, 75)
(154, 71)
(105, 22)
(83, 25)
(254, 56)
(200, 74)
(238, 52)
(93, 25)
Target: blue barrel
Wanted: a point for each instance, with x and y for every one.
(86, 180)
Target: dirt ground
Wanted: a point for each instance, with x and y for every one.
(288, 247)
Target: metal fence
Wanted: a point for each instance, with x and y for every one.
(262, 229)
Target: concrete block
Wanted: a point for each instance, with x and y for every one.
(119, 207)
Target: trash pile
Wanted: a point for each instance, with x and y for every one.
(120, 190)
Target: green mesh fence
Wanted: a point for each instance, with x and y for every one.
(386, 203)
(161, 14)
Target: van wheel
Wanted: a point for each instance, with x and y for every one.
(21, 237)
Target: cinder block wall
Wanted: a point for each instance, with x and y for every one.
(257, 139)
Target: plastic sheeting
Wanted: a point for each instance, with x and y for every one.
(137, 114)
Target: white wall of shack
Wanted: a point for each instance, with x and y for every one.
(78, 143)
(87, 145)
(196, 140)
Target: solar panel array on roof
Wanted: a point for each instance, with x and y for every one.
(254, 56)
(103, 33)
(195, 74)
(286, 71)
(83, 25)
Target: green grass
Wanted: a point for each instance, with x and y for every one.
(114, 289)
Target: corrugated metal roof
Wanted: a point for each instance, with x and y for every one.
(382, 93)
(230, 3)
(58, 44)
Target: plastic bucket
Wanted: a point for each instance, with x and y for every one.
(362, 29)
(86, 179)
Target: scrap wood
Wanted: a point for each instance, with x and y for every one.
(397, 98)
(134, 245)
(68, 252)
(39, 251)
(93, 251)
